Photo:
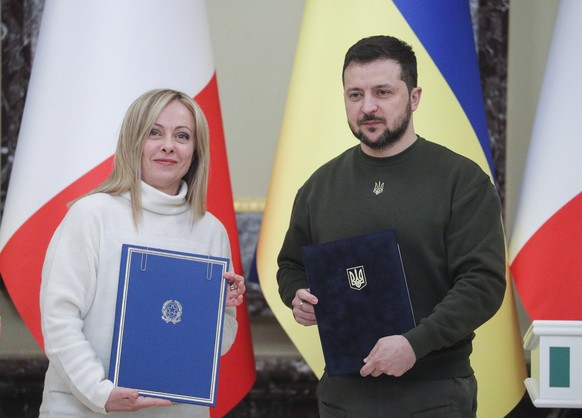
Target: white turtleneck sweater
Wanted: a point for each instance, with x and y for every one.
(79, 292)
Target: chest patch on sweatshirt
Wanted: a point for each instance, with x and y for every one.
(378, 188)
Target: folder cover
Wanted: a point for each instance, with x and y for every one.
(362, 296)
(168, 324)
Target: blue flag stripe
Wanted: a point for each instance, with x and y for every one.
(445, 29)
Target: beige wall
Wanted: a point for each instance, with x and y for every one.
(531, 24)
(254, 46)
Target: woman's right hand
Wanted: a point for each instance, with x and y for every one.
(128, 400)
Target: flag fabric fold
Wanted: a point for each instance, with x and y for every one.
(546, 239)
(93, 58)
(315, 129)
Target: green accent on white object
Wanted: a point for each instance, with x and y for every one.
(560, 367)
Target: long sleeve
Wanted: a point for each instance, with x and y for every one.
(67, 294)
(291, 273)
(476, 263)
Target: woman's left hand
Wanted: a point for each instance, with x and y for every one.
(235, 289)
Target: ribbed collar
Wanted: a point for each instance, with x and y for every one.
(162, 203)
(394, 159)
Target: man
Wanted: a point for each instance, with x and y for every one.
(446, 213)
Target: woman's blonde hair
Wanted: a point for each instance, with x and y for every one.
(135, 129)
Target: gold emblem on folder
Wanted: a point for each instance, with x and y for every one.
(356, 277)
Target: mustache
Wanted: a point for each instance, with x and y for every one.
(369, 118)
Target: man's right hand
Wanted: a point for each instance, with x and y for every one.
(303, 311)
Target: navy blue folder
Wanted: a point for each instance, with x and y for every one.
(168, 324)
(362, 296)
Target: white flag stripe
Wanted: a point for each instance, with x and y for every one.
(72, 117)
(553, 173)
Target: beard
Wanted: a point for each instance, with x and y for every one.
(389, 136)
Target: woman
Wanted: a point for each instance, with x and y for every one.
(156, 197)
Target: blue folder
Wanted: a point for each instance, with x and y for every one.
(168, 324)
(362, 296)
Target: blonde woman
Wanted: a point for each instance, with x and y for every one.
(156, 197)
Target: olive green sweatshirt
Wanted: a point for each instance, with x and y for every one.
(446, 213)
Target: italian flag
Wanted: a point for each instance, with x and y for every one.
(93, 58)
(546, 241)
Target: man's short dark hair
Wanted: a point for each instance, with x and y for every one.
(378, 47)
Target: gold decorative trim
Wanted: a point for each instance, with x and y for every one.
(249, 204)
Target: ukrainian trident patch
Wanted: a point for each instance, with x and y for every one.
(356, 277)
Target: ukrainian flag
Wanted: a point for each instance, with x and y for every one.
(451, 113)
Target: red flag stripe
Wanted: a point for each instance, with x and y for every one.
(23, 255)
(239, 362)
(547, 270)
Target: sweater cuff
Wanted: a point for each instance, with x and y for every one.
(101, 396)
(420, 340)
